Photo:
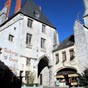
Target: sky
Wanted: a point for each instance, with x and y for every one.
(61, 13)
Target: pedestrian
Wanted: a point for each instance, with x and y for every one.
(57, 83)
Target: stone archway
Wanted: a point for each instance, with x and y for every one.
(44, 62)
(43, 69)
(66, 71)
(68, 75)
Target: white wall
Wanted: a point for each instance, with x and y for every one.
(81, 43)
(67, 63)
(18, 46)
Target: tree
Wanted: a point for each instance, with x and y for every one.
(83, 79)
(31, 77)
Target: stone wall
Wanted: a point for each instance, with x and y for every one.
(17, 26)
(81, 43)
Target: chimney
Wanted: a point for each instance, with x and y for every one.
(18, 6)
(8, 4)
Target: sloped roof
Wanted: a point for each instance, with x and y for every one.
(29, 9)
(66, 43)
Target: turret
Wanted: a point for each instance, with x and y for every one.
(4, 13)
(85, 16)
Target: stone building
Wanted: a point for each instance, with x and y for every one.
(81, 40)
(26, 42)
(71, 56)
(65, 63)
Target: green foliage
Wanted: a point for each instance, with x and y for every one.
(83, 79)
(32, 84)
(31, 77)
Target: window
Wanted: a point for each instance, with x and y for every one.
(74, 79)
(36, 14)
(71, 54)
(43, 28)
(29, 24)
(57, 58)
(63, 56)
(11, 38)
(28, 38)
(43, 43)
(28, 61)
(27, 76)
(55, 39)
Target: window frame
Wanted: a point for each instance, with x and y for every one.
(36, 14)
(55, 39)
(28, 38)
(43, 28)
(43, 43)
(28, 61)
(64, 56)
(10, 38)
(72, 54)
(29, 22)
(57, 58)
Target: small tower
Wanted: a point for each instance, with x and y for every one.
(85, 16)
(8, 5)
(86, 4)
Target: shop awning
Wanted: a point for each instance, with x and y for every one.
(72, 75)
(60, 76)
(66, 71)
(74, 83)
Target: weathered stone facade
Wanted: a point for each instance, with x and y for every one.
(28, 48)
(65, 63)
(81, 43)
(81, 40)
(80, 46)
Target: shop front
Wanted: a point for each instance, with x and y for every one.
(67, 77)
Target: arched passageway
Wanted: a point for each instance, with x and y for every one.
(42, 64)
(43, 71)
(67, 76)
